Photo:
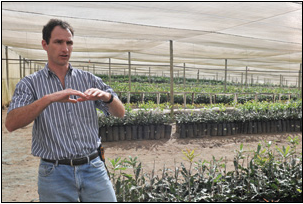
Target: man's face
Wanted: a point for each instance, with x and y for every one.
(60, 46)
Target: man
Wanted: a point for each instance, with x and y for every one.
(62, 102)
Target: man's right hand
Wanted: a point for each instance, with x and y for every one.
(64, 96)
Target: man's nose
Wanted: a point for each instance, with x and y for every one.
(65, 47)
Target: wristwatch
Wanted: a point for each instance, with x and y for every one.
(110, 100)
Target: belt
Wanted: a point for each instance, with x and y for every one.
(74, 162)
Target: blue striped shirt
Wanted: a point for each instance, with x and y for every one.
(62, 130)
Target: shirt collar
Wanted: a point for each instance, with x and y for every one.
(47, 72)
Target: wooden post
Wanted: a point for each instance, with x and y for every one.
(128, 97)
(184, 75)
(20, 65)
(184, 99)
(246, 72)
(198, 76)
(7, 70)
(23, 67)
(193, 98)
(158, 98)
(299, 84)
(30, 66)
(172, 78)
(242, 80)
(129, 73)
(211, 98)
(149, 75)
(236, 98)
(281, 80)
(110, 71)
(225, 76)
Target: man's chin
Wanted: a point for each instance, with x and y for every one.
(63, 63)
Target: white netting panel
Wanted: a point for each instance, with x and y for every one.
(264, 36)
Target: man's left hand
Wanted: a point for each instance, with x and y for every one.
(94, 94)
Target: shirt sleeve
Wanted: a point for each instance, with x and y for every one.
(22, 96)
(98, 82)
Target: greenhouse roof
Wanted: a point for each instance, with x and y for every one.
(266, 37)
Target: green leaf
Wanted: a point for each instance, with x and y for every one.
(217, 178)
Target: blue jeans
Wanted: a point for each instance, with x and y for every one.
(64, 183)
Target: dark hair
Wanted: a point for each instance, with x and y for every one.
(48, 28)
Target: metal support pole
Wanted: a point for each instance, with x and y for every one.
(171, 77)
(129, 72)
(225, 76)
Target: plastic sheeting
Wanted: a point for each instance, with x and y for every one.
(266, 37)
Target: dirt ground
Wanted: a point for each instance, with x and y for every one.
(20, 168)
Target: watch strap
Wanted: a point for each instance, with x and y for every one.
(110, 100)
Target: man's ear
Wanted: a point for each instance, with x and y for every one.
(44, 45)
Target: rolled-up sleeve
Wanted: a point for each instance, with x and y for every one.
(22, 96)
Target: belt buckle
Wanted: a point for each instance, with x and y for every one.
(87, 157)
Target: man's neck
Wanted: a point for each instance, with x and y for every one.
(60, 71)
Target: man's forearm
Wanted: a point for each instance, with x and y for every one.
(23, 116)
(116, 108)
